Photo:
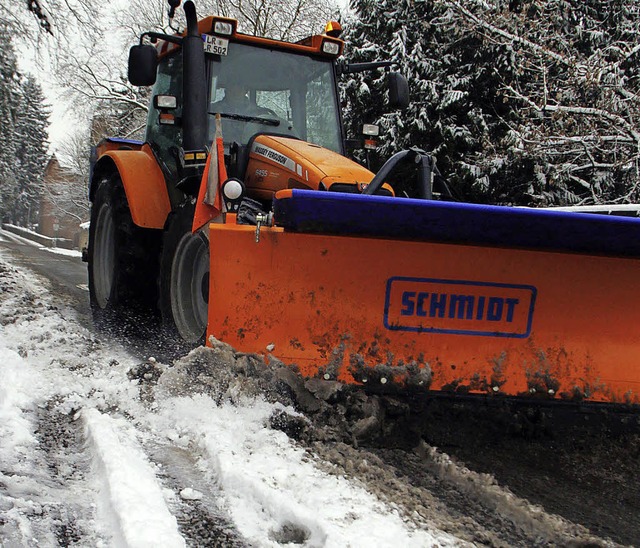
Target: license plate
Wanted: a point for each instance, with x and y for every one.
(215, 45)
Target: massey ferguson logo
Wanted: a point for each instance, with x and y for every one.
(271, 154)
(459, 307)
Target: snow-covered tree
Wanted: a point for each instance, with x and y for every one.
(31, 150)
(9, 99)
(531, 101)
(68, 192)
(23, 136)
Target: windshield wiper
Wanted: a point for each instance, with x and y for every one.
(244, 118)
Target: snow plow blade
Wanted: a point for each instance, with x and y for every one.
(437, 296)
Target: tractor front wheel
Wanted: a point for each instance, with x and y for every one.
(184, 282)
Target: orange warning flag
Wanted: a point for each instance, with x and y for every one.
(209, 204)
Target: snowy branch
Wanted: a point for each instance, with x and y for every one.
(582, 111)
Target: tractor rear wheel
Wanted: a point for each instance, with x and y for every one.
(122, 262)
(184, 280)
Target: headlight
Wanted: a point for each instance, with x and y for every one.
(223, 27)
(232, 189)
(330, 48)
(233, 192)
(165, 102)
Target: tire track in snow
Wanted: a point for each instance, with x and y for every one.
(61, 440)
(201, 517)
(275, 493)
(131, 497)
(45, 498)
(52, 366)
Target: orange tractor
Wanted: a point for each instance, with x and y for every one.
(240, 218)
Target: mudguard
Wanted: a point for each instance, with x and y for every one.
(143, 182)
(541, 315)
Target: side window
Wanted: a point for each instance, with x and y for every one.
(166, 137)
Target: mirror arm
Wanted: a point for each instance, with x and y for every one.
(160, 36)
(351, 68)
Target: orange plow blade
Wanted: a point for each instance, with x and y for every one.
(444, 316)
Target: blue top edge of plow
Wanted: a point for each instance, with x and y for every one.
(318, 212)
(124, 141)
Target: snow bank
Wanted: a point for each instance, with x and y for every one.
(16, 436)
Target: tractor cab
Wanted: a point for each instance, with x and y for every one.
(257, 86)
(277, 103)
(257, 90)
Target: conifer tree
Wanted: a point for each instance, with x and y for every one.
(530, 102)
(9, 94)
(23, 137)
(31, 153)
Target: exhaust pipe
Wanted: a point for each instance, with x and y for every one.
(194, 90)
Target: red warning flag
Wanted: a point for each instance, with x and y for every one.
(209, 203)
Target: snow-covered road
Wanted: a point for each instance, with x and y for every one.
(85, 460)
(101, 447)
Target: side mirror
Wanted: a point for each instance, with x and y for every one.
(398, 90)
(143, 64)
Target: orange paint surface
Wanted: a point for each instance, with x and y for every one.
(144, 186)
(310, 45)
(278, 163)
(498, 321)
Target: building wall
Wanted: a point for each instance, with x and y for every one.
(51, 223)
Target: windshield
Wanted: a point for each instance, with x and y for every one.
(264, 90)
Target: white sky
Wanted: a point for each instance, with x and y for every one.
(63, 121)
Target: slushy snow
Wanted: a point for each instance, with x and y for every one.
(82, 454)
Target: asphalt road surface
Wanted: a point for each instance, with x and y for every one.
(67, 272)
